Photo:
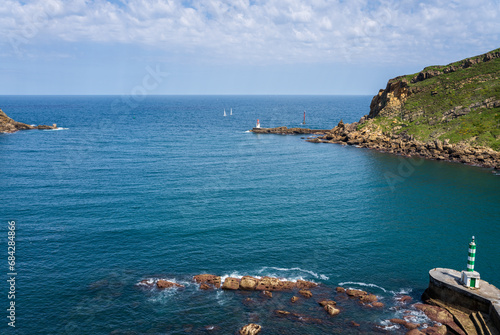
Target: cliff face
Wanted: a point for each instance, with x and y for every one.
(391, 100)
(459, 102)
(7, 125)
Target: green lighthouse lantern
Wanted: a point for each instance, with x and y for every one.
(470, 278)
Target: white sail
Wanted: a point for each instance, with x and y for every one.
(224, 112)
(231, 112)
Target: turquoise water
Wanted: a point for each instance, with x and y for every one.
(167, 187)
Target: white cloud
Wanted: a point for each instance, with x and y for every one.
(261, 31)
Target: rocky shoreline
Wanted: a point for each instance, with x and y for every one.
(329, 304)
(7, 125)
(371, 136)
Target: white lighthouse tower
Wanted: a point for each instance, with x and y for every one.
(258, 124)
(470, 278)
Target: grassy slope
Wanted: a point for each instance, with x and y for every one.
(481, 126)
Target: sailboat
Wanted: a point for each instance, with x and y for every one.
(231, 112)
(224, 112)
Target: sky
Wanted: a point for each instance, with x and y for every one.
(233, 47)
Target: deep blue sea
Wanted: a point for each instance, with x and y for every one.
(167, 187)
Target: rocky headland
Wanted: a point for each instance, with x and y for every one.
(449, 112)
(7, 125)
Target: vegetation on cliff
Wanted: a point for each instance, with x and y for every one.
(459, 102)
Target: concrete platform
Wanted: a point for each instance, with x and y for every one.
(445, 285)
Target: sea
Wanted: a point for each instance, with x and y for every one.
(132, 189)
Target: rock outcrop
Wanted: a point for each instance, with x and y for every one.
(371, 136)
(208, 279)
(7, 125)
(163, 284)
(250, 329)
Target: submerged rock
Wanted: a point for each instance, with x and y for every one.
(330, 309)
(306, 293)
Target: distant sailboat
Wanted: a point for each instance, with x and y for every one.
(224, 112)
(231, 112)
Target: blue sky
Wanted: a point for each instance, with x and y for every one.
(233, 47)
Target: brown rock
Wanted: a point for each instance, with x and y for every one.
(163, 284)
(325, 302)
(205, 287)
(231, 284)
(306, 293)
(435, 313)
(354, 324)
(414, 332)
(208, 279)
(355, 293)
(248, 283)
(369, 298)
(406, 324)
(441, 330)
(305, 285)
(340, 289)
(405, 299)
(250, 329)
(330, 309)
(294, 299)
(281, 313)
(378, 304)
(273, 284)
(267, 294)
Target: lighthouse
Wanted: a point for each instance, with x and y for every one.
(258, 124)
(470, 278)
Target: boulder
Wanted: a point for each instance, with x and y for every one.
(267, 294)
(250, 329)
(231, 284)
(306, 293)
(355, 324)
(274, 284)
(248, 283)
(304, 284)
(208, 279)
(367, 299)
(406, 324)
(281, 313)
(355, 293)
(325, 302)
(330, 309)
(163, 284)
(205, 287)
(378, 304)
(405, 299)
(340, 289)
(435, 313)
(294, 299)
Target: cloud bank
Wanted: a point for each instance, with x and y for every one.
(284, 31)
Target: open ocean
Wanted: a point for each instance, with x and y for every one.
(167, 187)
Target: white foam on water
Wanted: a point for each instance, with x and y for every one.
(362, 284)
(248, 131)
(56, 129)
(403, 291)
(312, 273)
(388, 325)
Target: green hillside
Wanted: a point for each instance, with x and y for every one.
(459, 101)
